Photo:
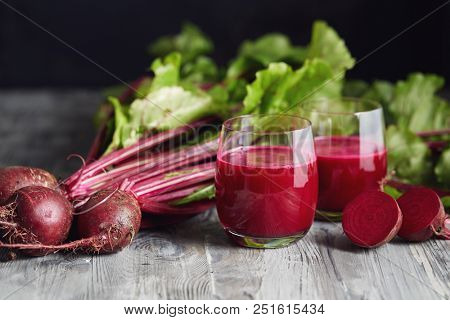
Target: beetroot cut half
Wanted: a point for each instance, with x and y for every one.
(372, 219)
(423, 215)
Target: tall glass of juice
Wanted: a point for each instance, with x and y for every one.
(266, 179)
(350, 148)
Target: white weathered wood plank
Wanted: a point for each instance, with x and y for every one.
(326, 265)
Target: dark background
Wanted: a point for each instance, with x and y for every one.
(115, 34)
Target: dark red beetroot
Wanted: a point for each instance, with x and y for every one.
(423, 215)
(15, 178)
(36, 215)
(371, 219)
(111, 223)
(107, 223)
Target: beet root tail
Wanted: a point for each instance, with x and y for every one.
(74, 245)
(6, 212)
(443, 232)
(95, 244)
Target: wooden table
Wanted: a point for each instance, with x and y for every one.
(194, 260)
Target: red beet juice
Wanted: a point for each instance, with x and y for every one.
(262, 192)
(347, 166)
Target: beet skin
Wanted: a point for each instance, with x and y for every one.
(111, 223)
(36, 215)
(15, 178)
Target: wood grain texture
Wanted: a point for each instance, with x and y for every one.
(194, 260)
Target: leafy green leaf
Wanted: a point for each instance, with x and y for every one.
(328, 46)
(242, 67)
(272, 47)
(440, 115)
(257, 54)
(204, 193)
(278, 88)
(191, 43)
(415, 105)
(442, 169)
(393, 192)
(236, 90)
(380, 91)
(143, 113)
(355, 88)
(144, 88)
(167, 71)
(171, 107)
(120, 123)
(446, 202)
(269, 89)
(408, 155)
(167, 108)
(201, 70)
(219, 94)
(169, 104)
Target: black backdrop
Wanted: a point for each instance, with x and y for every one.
(115, 34)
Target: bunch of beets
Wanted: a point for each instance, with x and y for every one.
(102, 206)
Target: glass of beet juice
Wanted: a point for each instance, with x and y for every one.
(351, 154)
(266, 179)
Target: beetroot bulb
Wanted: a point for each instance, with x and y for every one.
(106, 223)
(14, 178)
(371, 219)
(35, 215)
(112, 219)
(423, 215)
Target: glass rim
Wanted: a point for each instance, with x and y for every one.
(226, 125)
(375, 105)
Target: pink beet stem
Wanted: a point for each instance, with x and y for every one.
(119, 170)
(171, 166)
(432, 133)
(97, 204)
(133, 172)
(165, 169)
(165, 159)
(122, 154)
(130, 180)
(150, 178)
(178, 194)
(437, 146)
(175, 183)
(133, 150)
(164, 208)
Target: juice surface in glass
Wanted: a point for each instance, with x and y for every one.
(347, 166)
(262, 191)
